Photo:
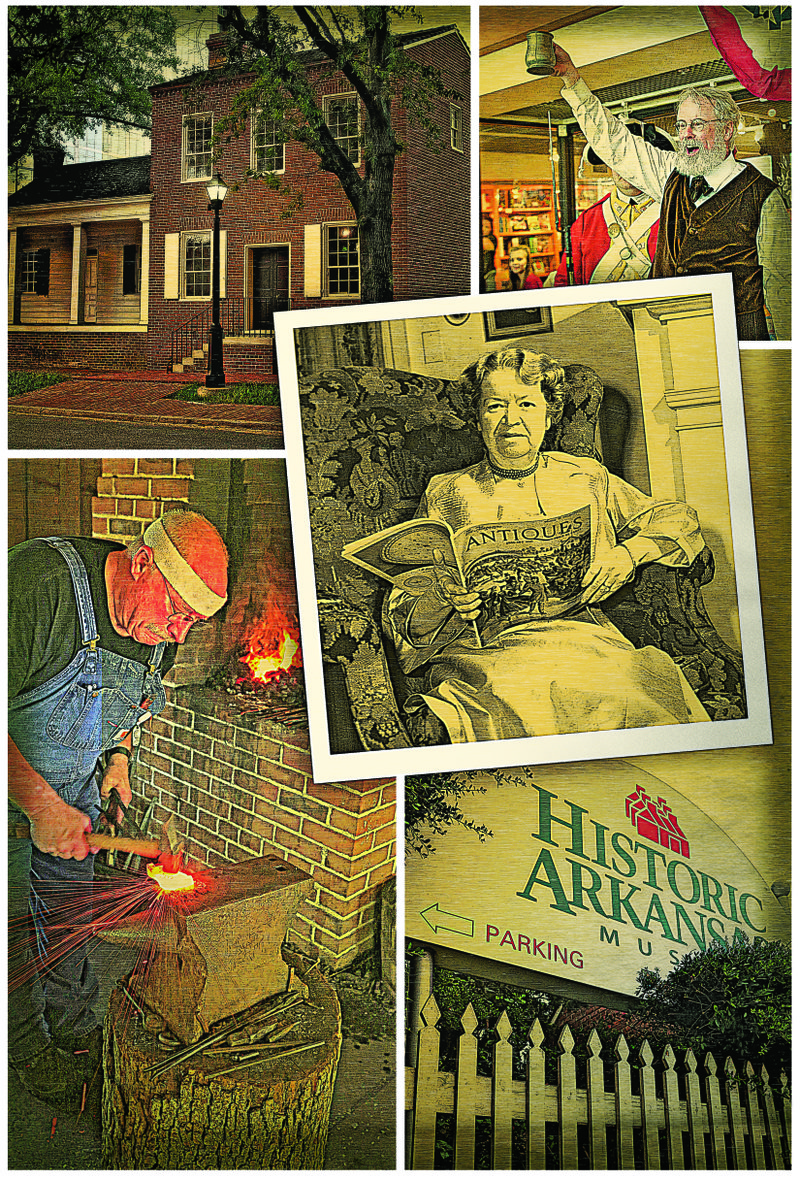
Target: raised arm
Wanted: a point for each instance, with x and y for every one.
(636, 160)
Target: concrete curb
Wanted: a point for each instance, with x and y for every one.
(271, 422)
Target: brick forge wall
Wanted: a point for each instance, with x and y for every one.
(100, 350)
(238, 791)
(236, 787)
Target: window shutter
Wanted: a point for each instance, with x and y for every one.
(172, 268)
(43, 272)
(312, 262)
(129, 270)
(223, 257)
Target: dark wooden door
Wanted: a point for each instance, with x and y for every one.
(270, 285)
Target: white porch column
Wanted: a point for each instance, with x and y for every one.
(679, 380)
(12, 272)
(75, 291)
(144, 280)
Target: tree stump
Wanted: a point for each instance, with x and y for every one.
(265, 1116)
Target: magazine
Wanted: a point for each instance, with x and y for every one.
(524, 570)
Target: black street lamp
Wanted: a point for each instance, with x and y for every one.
(215, 377)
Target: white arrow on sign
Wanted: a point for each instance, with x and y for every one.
(449, 921)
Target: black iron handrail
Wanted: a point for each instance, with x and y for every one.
(239, 316)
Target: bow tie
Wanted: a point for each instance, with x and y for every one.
(699, 188)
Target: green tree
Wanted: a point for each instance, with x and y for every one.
(733, 998)
(71, 67)
(432, 805)
(359, 43)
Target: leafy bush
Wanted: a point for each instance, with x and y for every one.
(733, 998)
(245, 393)
(28, 382)
(432, 803)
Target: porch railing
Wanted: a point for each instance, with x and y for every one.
(239, 316)
(676, 1113)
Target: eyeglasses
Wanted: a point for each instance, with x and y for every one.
(178, 615)
(698, 126)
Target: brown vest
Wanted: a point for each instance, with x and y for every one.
(719, 236)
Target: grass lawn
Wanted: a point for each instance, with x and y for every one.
(247, 393)
(25, 382)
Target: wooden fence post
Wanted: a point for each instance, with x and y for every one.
(754, 1118)
(647, 1089)
(596, 1100)
(535, 1104)
(694, 1110)
(427, 1087)
(672, 1110)
(735, 1115)
(501, 1096)
(715, 1115)
(466, 1084)
(624, 1106)
(567, 1102)
(787, 1112)
(773, 1121)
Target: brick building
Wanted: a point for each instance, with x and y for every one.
(239, 785)
(108, 267)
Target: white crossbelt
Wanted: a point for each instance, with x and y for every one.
(638, 259)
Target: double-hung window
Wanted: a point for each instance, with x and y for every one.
(268, 148)
(197, 158)
(456, 128)
(196, 265)
(341, 260)
(36, 272)
(342, 114)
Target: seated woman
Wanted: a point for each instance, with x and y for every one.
(569, 674)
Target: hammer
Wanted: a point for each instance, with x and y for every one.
(168, 849)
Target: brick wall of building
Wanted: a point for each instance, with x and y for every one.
(240, 787)
(99, 350)
(436, 230)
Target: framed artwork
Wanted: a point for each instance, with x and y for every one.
(522, 321)
(399, 498)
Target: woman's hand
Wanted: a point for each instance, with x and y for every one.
(607, 574)
(466, 603)
(564, 67)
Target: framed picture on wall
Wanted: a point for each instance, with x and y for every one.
(521, 321)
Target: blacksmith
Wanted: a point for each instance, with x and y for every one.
(92, 630)
(718, 215)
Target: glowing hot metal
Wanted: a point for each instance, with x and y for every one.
(170, 881)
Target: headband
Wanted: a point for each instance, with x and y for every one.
(179, 573)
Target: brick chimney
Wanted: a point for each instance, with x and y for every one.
(217, 50)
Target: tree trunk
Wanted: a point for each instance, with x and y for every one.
(264, 1117)
(375, 221)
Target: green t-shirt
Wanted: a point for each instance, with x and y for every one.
(44, 634)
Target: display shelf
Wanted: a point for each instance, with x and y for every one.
(522, 214)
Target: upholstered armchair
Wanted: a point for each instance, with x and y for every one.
(374, 437)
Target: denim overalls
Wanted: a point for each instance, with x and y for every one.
(61, 728)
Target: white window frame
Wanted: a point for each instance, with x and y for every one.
(456, 128)
(28, 271)
(259, 119)
(189, 233)
(187, 119)
(345, 141)
(326, 265)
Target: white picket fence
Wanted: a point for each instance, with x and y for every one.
(715, 1125)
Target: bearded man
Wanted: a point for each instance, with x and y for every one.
(92, 630)
(718, 215)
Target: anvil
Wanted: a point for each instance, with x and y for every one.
(217, 950)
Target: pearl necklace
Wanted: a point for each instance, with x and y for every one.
(505, 473)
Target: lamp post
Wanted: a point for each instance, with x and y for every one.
(215, 377)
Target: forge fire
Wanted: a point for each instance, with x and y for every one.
(264, 673)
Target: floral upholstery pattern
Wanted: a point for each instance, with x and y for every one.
(373, 439)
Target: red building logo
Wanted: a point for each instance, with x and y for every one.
(655, 821)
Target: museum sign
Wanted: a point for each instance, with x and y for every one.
(592, 872)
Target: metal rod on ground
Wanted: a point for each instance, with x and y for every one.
(278, 1055)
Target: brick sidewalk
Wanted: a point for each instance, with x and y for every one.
(135, 397)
